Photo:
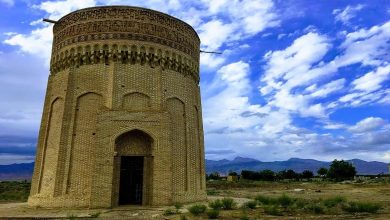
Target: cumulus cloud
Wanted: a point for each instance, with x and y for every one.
(372, 80)
(367, 124)
(346, 14)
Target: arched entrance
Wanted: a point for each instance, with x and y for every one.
(133, 168)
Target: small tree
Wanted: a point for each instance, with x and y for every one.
(322, 171)
(232, 173)
(307, 174)
(214, 176)
(267, 175)
(341, 170)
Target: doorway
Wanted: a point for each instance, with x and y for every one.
(131, 180)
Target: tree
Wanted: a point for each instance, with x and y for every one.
(214, 176)
(232, 173)
(307, 174)
(267, 175)
(322, 171)
(341, 170)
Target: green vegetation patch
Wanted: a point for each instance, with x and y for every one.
(197, 209)
(14, 190)
(354, 207)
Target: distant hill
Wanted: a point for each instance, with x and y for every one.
(296, 164)
(24, 170)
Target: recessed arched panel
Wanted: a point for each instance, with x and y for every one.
(176, 109)
(135, 142)
(136, 101)
(87, 108)
(51, 147)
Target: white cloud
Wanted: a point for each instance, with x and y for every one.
(367, 124)
(57, 9)
(347, 13)
(293, 63)
(328, 88)
(372, 80)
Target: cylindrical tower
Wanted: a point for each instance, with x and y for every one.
(122, 121)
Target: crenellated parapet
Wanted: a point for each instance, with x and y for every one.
(123, 53)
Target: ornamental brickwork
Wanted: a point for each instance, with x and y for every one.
(122, 121)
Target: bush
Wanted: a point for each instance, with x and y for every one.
(354, 207)
(212, 192)
(315, 208)
(212, 213)
(216, 204)
(322, 171)
(169, 212)
(265, 200)
(244, 217)
(197, 209)
(95, 215)
(332, 202)
(307, 174)
(273, 210)
(228, 203)
(250, 204)
(285, 201)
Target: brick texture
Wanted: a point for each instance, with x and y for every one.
(124, 81)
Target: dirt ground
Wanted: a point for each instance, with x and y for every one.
(378, 193)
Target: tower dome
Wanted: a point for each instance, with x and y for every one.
(122, 120)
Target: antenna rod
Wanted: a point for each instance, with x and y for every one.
(216, 52)
(48, 20)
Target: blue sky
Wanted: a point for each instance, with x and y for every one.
(297, 78)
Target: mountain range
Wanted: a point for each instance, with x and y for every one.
(24, 171)
(296, 164)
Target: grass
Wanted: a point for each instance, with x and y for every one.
(228, 203)
(197, 209)
(169, 211)
(216, 204)
(14, 191)
(334, 201)
(212, 213)
(273, 210)
(250, 204)
(355, 207)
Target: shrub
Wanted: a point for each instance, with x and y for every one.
(95, 215)
(307, 174)
(228, 203)
(216, 204)
(212, 192)
(197, 209)
(212, 213)
(265, 200)
(332, 202)
(354, 207)
(244, 217)
(250, 204)
(178, 205)
(273, 210)
(322, 171)
(315, 208)
(169, 212)
(285, 200)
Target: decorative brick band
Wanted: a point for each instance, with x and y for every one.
(134, 54)
(125, 23)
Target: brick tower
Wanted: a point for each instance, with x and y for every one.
(122, 120)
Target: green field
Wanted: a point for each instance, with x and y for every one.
(14, 191)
